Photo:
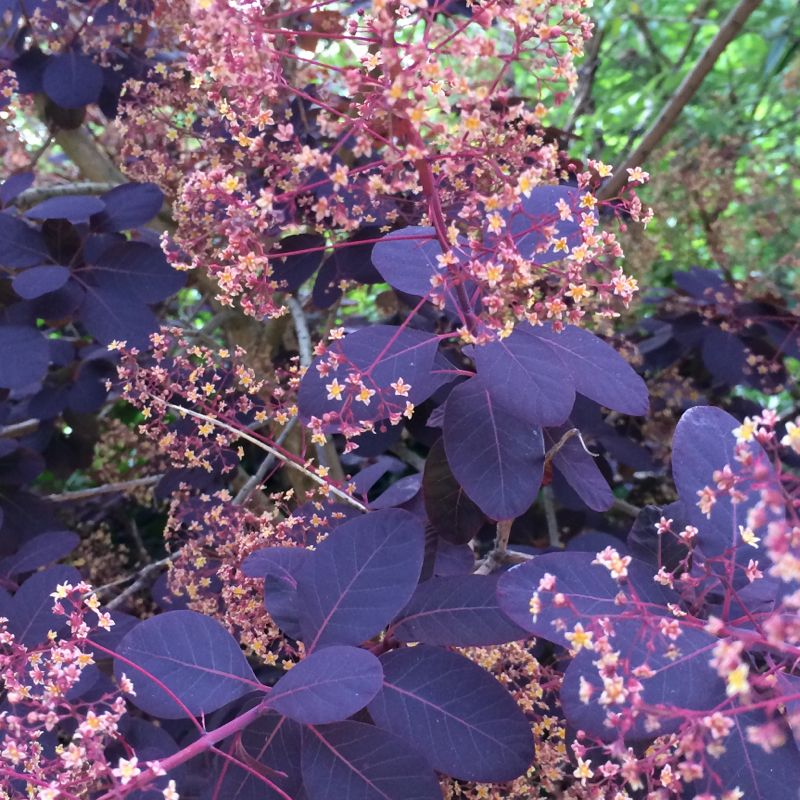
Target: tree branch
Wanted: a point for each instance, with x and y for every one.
(32, 197)
(689, 86)
(82, 494)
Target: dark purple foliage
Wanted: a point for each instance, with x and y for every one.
(359, 578)
(73, 209)
(130, 205)
(72, 80)
(24, 356)
(37, 281)
(327, 686)
(361, 762)
(725, 356)
(111, 314)
(407, 259)
(455, 517)
(465, 723)
(40, 551)
(14, 186)
(193, 658)
(497, 457)
(295, 270)
(457, 611)
(23, 246)
(453, 559)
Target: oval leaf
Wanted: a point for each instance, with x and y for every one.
(459, 611)
(462, 719)
(24, 356)
(23, 246)
(72, 80)
(407, 259)
(359, 578)
(128, 206)
(40, 551)
(72, 209)
(497, 457)
(192, 656)
(329, 685)
(37, 281)
(353, 760)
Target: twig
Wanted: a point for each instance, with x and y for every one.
(19, 429)
(498, 556)
(144, 577)
(689, 86)
(625, 507)
(65, 497)
(144, 556)
(243, 434)
(32, 197)
(550, 515)
(266, 465)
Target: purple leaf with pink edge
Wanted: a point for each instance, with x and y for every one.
(453, 559)
(357, 761)
(704, 442)
(328, 686)
(747, 767)
(458, 611)
(128, 206)
(32, 614)
(455, 517)
(40, 551)
(73, 209)
(524, 375)
(534, 214)
(725, 356)
(463, 720)
(14, 186)
(23, 246)
(399, 493)
(381, 354)
(590, 589)
(579, 469)
(682, 685)
(111, 314)
(359, 578)
(295, 270)
(407, 259)
(24, 356)
(279, 566)
(72, 80)
(596, 369)
(192, 656)
(274, 742)
(37, 281)
(497, 457)
(139, 270)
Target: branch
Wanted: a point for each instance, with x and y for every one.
(65, 497)
(689, 86)
(266, 465)
(19, 429)
(32, 197)
(145, 576)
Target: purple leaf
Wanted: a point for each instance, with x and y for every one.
(704, 442)
(453, 559)
(579, 469)
(456, 518)
(328, 685)
(678, 685)
(463, 720)
(381, 355)
(524, 375)
(192, 655)
(137, 269)
(356, 761)
(704, 284)
(37, 281)
(596, 369)
(274, 742)
(725, 356)
(130, 205)
(72, 80)
(406, 259)
(279, 566)
(496, 457)
(399, 493)
(370, 475)
(295, 270)
(112, 314)
(23, 246)
(590, 589)
(24, 356)
(748, 768)
(32, 615)
(595, 541)
(40, 551)
(459, 611)
(535, 213)
(72, 209)
(359, 578)
(14, 186)
(658, 549)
